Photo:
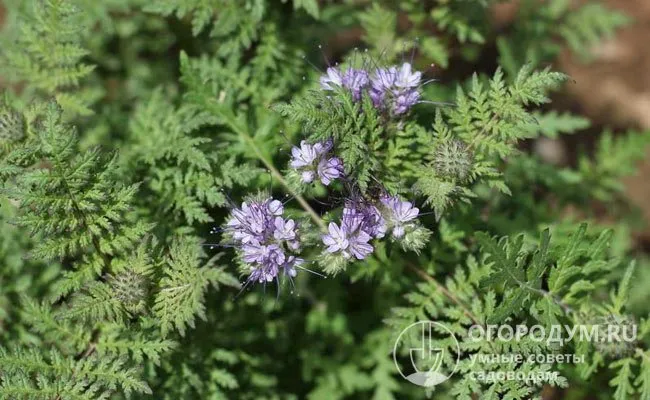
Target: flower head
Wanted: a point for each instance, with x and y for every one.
(311, 160)
(305, 154)
(405, 100)
(362, 216)
(264, 238)
(360, 223)
(392, 89)
(400, 214)
(329, 169)
(395, 88)
(336, 238)
(348, 243)
(406, 78)
(353, 79)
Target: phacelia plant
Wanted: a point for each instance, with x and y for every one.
(167, 168)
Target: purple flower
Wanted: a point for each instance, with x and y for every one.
(360, 223)
(331, 79)
(306, 154)
(359, 246)
(336, 239)
(381, 82)
(400, 213)
(264, 273)
(405, 100)
(355, 80)
(394, 89)
(249, 223)
(329, 169)
(290, 265)
(310, 160)
(284, 230)
(264, 254)
(276, 207)
(384, 78)
(407, 79)
(361, 216)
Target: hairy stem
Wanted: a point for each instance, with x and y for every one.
(243, 133)
(446, 292)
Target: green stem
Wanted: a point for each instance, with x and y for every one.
(277, 175)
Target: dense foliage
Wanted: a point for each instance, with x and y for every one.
(251, 199)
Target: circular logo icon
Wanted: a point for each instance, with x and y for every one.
(419, 353)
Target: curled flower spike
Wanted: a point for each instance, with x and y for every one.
(264, 239)
(394, 89)
(311, 161)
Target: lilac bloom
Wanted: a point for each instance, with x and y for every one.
(284, 230)
(355, 80)
(407, 79)
(256, 252)
(352, 79)
(331, 79)
(376, 224)
(401, 212)
(329, 169)
(247, 223)
(265, 240)
(311, 160)
(359, 246)
(336, 238)
(264, 274)
(381, 82)
(395, 89)
(305, 155)
(404, 101)
(360, 223)
(289, 266)
(384, 78)
(276, 207)
(365, 217)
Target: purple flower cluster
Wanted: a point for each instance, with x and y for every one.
(311, 160)
(395, 89)
(265, 238)
(363, 221)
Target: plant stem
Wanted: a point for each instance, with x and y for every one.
(277, 175)
(446, 292)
